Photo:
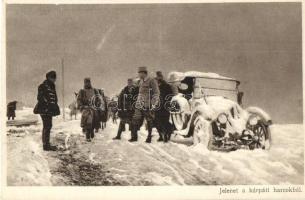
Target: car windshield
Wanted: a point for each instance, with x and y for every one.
(216, 87)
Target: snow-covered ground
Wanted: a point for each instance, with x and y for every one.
(108, 162)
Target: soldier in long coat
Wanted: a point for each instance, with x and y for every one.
(126, 106)
(47, 107)
(88, 101)
(162, 114)
(146, 104)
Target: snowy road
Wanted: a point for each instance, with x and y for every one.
(108, 162)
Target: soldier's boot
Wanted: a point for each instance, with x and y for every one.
(149, 127)
(88, 135)
(169, 132)
(121, 127)
(161, 135)
(46, 140)
(92, 133)
(49, 147)
(166, 137)
(160, 139)
(134, 133)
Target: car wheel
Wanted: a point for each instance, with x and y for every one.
(262, 136)
(202, 132)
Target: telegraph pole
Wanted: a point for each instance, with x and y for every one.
(63, 88)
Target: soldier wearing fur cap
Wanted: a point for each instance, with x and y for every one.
(47, 107)
(162, 123)
(89, 102)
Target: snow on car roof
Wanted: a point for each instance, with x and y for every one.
(178, 76)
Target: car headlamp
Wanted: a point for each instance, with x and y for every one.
(222, 118)
(253, 120)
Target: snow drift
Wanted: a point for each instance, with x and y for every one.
(108, 162)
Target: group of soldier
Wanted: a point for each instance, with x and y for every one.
(146, 99)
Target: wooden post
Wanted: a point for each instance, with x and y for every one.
(63, 88)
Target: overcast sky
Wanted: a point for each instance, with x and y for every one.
(257, 43)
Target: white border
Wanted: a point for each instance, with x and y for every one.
(118, 192)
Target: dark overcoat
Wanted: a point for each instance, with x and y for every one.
(103, 111)
(166, 95)
(126, 102)
(47, 99)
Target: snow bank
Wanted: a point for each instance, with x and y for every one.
(26, 163)
(282, 164)
(178, 164)
(158, 163)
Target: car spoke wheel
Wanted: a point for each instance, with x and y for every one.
(261, 133)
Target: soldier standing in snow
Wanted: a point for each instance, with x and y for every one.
(147, 102)
(11, 108)
(88, 101)
(126, 106)
(47, 108)
(162, 114)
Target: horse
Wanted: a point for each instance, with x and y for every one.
(74, 107)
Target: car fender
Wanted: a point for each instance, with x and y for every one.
(261, 113)
(204, 110)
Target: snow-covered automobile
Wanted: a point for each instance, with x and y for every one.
(208, 109)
